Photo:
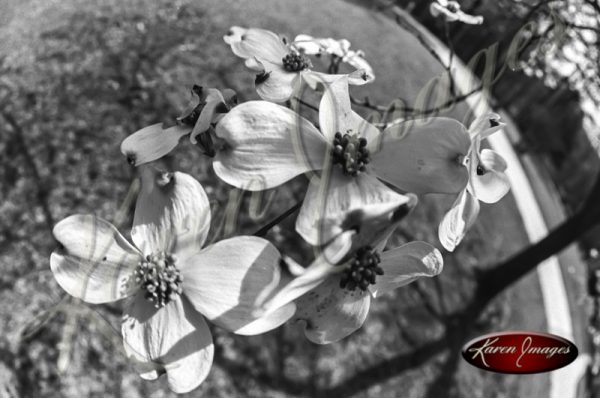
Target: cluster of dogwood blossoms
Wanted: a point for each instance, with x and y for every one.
(363, 181)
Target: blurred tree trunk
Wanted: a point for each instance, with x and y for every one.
(494, 281)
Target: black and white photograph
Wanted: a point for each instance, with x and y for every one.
(280, 199)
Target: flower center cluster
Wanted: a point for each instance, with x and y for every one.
(362, 270)
(158, 276)
(351, 153)
(295, 62)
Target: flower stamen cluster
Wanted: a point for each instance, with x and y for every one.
(295, 62)
(351, 153)
(362, 271)
(158, 276)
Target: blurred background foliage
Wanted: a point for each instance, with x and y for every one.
(77, 77)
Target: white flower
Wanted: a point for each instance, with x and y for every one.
(172, 282)
(153, 142)
(334, 293)
(452, 12)
(279, 64)
(268, 145)
(339, 48)
(487, 183)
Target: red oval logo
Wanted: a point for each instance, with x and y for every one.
(519, 352)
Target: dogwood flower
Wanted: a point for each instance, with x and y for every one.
(279, 64)
(153, 142)
(171, 281)
(267, 145)
(452, 12)
(338, 48)
(487, 183)
(334, 293)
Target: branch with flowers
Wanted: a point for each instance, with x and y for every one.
(363, 182)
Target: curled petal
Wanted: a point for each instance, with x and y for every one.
(151, 143)
(469, 19)
(172, 214)
(380, 223)
(226, 280)
(439, 9)
(458, 220)
(261, 44)
(266, 146)
(173, 339)
(489, 183)
(485, 125)
(357, 60)
(336, 115)
(95, 263)
(405, 264)
(313, 46)
(332, 198)
(332, 313)
(308, 45)
(274, 83)
(214, 99)
(424, 157)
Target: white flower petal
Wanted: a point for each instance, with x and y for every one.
(356, 59)
(332, 197)
(275, 84)
(332, 313)
(256, 43)
(485, 125)
(458, 220)
(308, 45)
(318, 80)
(424, 157)
(96, 263)
(214, 98)
(267, 145)
(313, 276)
(405, 264)
(226, 280)
(492, 160)
(469, 19)
(336, 115)
(269, 321)
(152, 142)
(172, 214)
(438, 9)
(493, 184)
(313, 46)
(173, 339)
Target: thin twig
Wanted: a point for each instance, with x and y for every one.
(450, 58)
(306, 104)
(263, 231)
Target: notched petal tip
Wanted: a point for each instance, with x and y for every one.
(406, 264)
(152, 143)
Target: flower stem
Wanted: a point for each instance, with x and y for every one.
(263, 231)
